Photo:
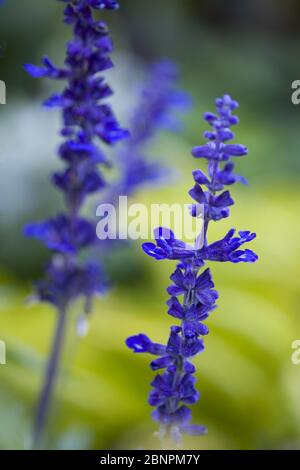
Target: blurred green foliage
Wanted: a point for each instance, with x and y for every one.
(249, 386)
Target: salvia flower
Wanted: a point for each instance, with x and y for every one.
(158, 101)
(192, 294)
(87, 120)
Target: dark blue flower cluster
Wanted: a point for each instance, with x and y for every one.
(192, 294)
(86, 119)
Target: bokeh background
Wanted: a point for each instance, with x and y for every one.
(250, 388)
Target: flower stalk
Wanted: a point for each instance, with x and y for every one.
(44, 401)
(192, 293)
(86, 121)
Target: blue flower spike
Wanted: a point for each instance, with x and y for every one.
(192, 294)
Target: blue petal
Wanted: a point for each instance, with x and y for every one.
(161, 362)
(152, 250)
(35, 70)
(139, 343)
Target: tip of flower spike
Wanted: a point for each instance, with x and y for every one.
(226, 100)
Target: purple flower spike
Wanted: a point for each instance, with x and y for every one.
(87, 120)
(159, 101)
(192, 294)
